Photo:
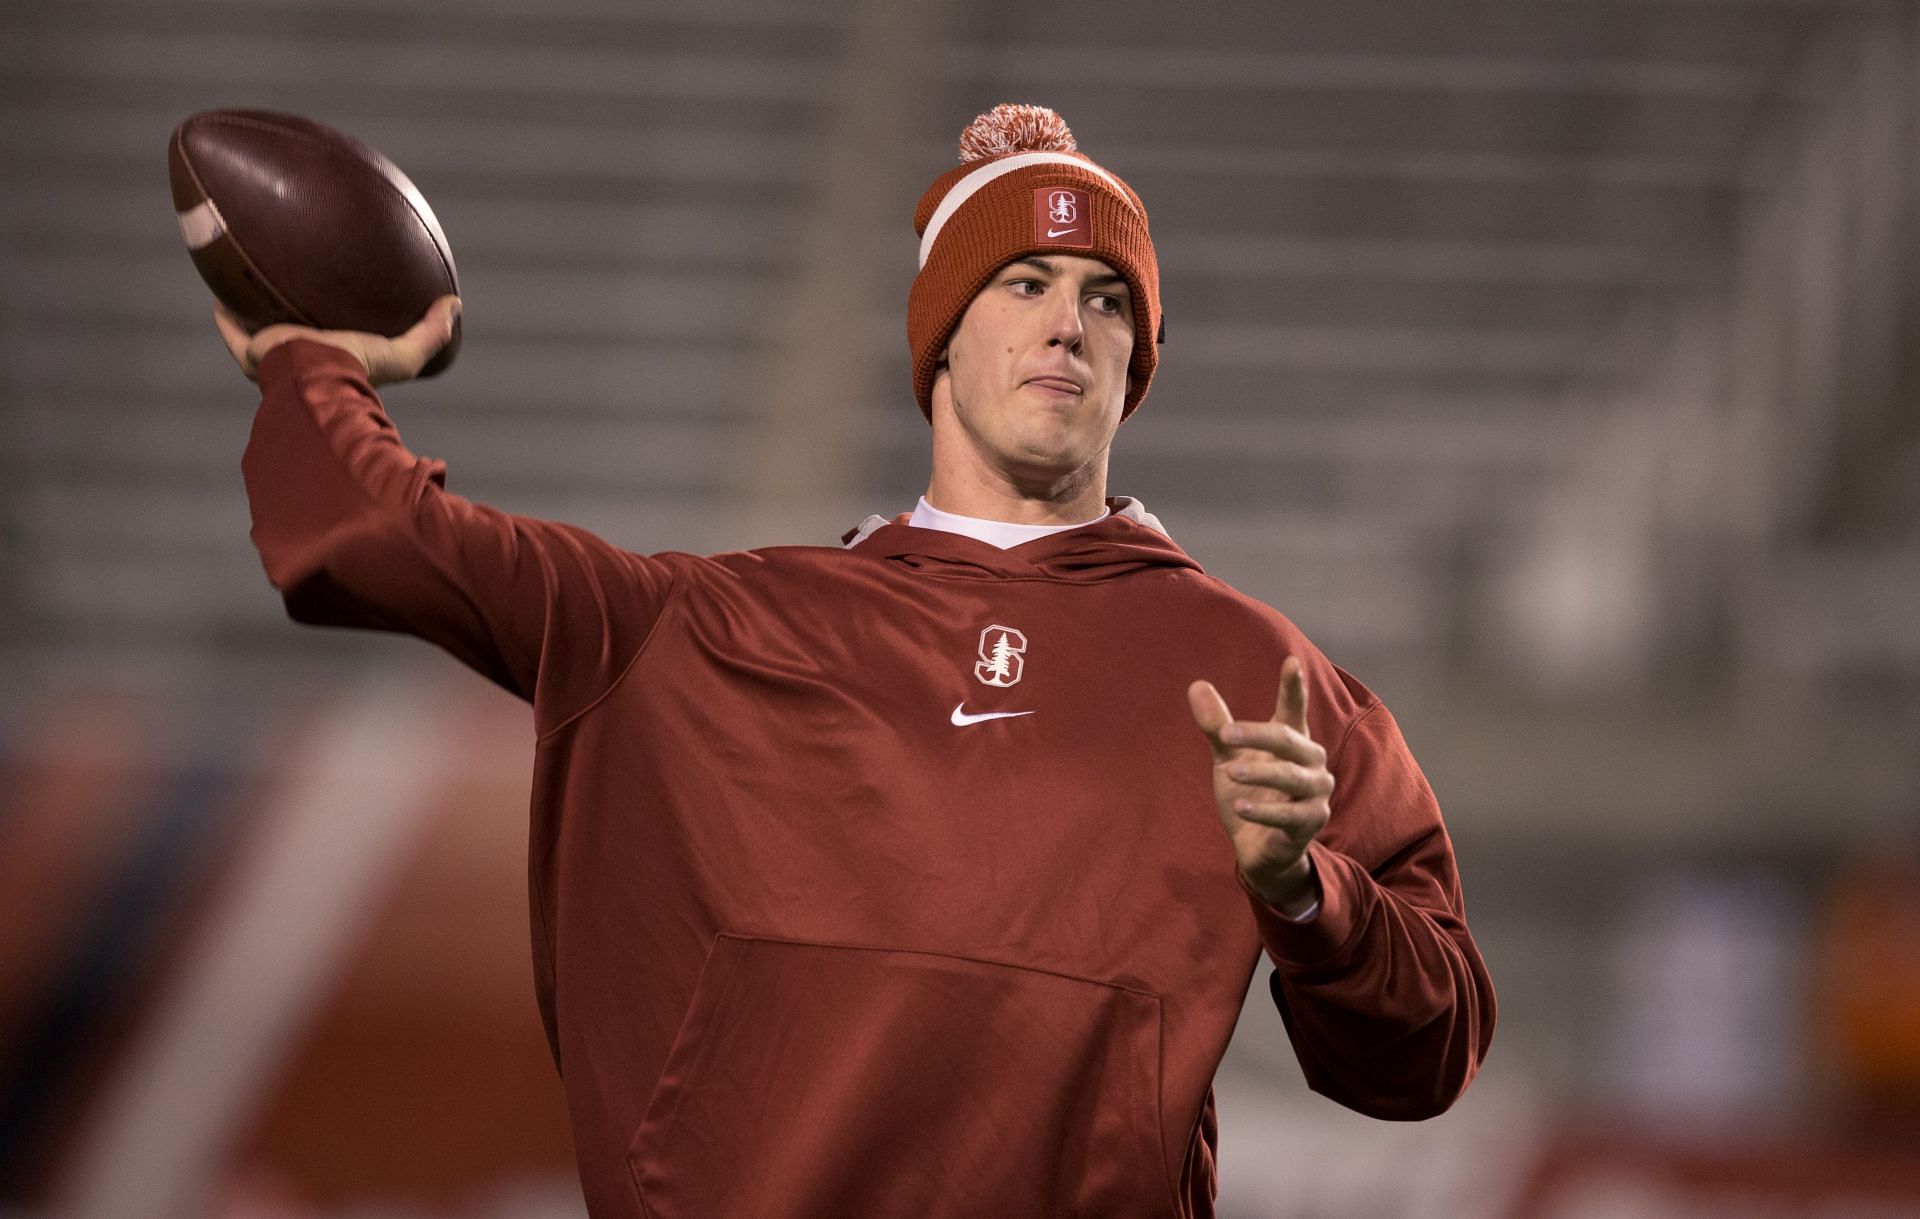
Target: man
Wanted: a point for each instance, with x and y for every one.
(880, 880)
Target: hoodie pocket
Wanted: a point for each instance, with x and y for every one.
(815, 1080)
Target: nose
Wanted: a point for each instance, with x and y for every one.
(1064, 326)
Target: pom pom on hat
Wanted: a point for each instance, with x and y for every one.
(1014, 128)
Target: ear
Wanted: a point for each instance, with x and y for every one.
(939, 399)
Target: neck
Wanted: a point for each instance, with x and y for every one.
(966, 484)
(994, 497)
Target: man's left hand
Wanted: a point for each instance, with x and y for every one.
(1270, 786)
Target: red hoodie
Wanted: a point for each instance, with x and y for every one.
(813, 937)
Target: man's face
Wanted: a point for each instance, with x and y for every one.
(1036, 371)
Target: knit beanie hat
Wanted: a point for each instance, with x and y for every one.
(1023, 187)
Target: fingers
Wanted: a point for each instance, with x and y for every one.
(1301, 820)
(1278, 739)
(1293, 696)
(1297, 781)
(1284, 735)
(1211, 714)
(407, 353)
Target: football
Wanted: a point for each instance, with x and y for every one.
(289, 220)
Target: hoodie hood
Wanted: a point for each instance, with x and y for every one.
(1127, 540)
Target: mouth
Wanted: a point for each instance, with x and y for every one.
(1057, 384)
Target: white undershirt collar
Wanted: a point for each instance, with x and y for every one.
(1002, 534)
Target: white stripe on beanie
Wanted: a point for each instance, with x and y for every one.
(964, 189)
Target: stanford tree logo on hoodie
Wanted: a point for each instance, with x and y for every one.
(1001, 656)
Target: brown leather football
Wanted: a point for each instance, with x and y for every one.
(289, 220)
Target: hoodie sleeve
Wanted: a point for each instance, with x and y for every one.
(354, 530)
(1384, 994)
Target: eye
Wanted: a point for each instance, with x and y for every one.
(1108, 303)
(1020, 287)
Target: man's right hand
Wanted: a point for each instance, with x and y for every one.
(386, 360)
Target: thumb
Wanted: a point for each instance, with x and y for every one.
(435, 327)
(1211, 714)
(434, 330)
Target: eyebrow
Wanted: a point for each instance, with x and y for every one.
(1053, 269)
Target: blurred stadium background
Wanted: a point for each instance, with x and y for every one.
(1551, 362)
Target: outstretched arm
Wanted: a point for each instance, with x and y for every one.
(1383, 991)
(355, 530)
